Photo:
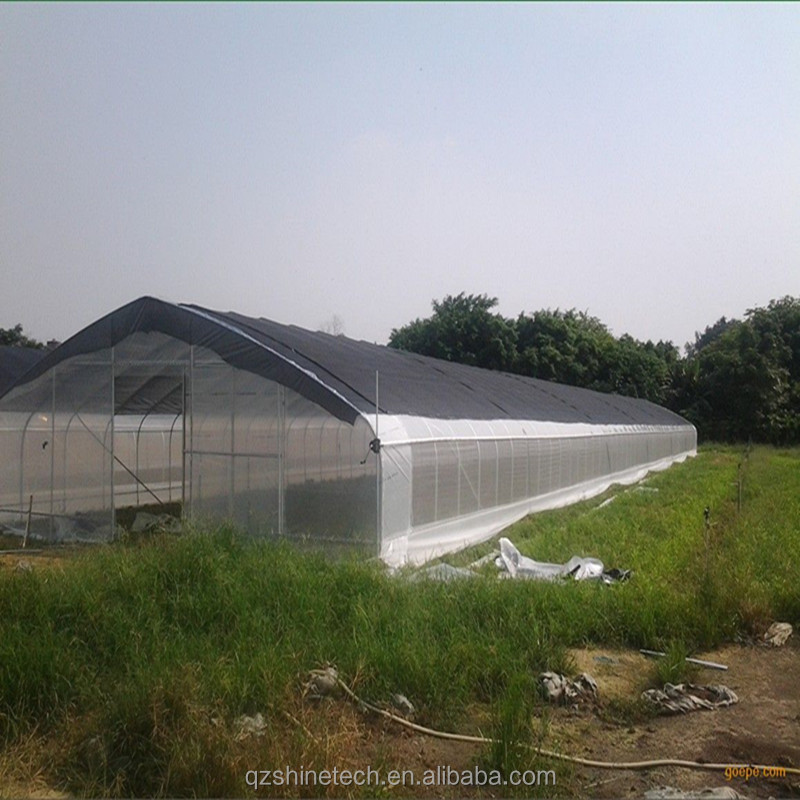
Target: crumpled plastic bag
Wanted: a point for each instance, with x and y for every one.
(580, 569)
(777, 634)
(144, 522)
(321, 683)
(246, 725)
(558, 688)
(685, 697)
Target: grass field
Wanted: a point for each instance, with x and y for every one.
(122, 670)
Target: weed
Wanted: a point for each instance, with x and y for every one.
(673, 667)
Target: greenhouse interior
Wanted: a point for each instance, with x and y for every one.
(284, 432)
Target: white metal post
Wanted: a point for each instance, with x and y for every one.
(190, 449)
(53, 454)
(282, 459)
(232, 468)
(378, 470)
(113, 410)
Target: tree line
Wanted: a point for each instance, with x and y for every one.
(738, 381)
(14, 337)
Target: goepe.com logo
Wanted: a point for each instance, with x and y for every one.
(746, 772)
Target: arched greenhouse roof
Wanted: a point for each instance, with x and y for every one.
(15, 362)
(338, 373)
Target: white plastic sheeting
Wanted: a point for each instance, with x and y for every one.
(449, 484)
(517, 565)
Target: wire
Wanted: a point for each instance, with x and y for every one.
(587, 762)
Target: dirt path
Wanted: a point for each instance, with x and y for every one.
(764, 727)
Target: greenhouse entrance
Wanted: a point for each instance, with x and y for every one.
(93, 436)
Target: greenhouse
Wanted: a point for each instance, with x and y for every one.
(299, 434)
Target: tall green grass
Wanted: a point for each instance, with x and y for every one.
(138, 657)
(694, 583)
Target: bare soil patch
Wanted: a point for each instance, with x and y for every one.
(763, 728)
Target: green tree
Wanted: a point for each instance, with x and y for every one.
(638, 369)
(574, 348)
(463, 328)
(739, 380)
(747, 378)
(709, 335)
(563, 346)
(14, 336)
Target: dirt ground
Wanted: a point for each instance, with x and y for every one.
(763, 728)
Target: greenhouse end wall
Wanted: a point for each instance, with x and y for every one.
(189, 428)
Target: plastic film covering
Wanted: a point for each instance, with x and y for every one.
(154, 421)
(57, 469)
(275, 463)
(330, 494)
(464, 481)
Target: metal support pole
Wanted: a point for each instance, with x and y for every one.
(232, 467)
(22, 462)
(183, 443)
(138, 436)
(378, 467)
(435, 482)
(113, 414)
(28, 523)
(53, 454)
(458, 475)
(527, 468)
(511, 450)
(169, 456)
(496, 473)
(282, 459)
(64, 461)
(480, 495)
(189, 450)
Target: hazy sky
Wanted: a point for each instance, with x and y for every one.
(639, 162)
